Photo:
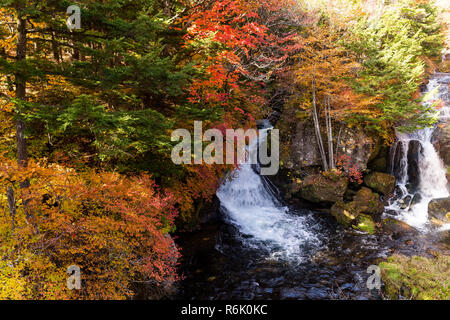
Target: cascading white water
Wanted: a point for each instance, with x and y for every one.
(253, 208)
(411, 204)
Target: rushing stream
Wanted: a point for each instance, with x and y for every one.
(259, 248)
(251, 205)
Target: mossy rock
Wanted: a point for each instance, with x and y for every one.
(444, 66)
(379, 164)
(379, 158)
(368, 202)
(345, 213)
(365, 224)
(397, 227)
(416, 278)
(319, 189)
(439, 211)
(380, 182)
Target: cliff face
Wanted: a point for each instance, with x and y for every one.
(355, 144)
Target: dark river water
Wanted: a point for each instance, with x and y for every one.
(259, 248)
(219, 263)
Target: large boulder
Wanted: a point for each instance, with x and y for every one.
(345, 213)
(352, 142)
(441, 136)
(304, 151)
(368, 202)
(319, 189)
(379, 158)
(396, 228)
(415, 149)
(365, 224)
(357, 213)
(380, 182)
(439, 209)
(358, 146)
(443, 139)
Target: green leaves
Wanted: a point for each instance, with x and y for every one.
(392, 49)
(116, 134)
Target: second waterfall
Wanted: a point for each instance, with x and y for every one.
(420, 173)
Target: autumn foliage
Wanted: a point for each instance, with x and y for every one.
(86, 116)
(114, 228)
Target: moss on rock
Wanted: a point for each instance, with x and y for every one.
(365, 224)
(368, 202)
(416, 278)
(380, 182)
(439, 211)
(319, 189)
(345, 213)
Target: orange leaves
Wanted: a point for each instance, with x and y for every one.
(115, 228)
(240, 48)
(201, 185)
(323, 60)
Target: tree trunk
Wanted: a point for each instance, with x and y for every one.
(338, 142)
(55, 48)
(167, 8)
(22, 156)
(317, 127)
(329, 133)
(12, 207)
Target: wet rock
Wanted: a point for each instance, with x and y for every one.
(414, 151)
(315, 294)
(268, 290)
(417, 198)
(444, 238)
(345, 213)
(365, 224)
(319, 189)
(304, 149)
(379, 158)
(347, 286)
(368, 202)
(380, 182)
(439, 209)
(353, 142)
(405, 202)
(399, 150)
(396, 227)
(442, 135)
(292, 293)
(275, 281)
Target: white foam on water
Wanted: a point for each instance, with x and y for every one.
(252, 207)
(432, 172)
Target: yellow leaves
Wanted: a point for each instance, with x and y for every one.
(103, 222)
(14, 285)
(7, 106)
(9, 38)
(56, 80)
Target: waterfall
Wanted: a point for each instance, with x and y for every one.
(420, 173)
(249, 203)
